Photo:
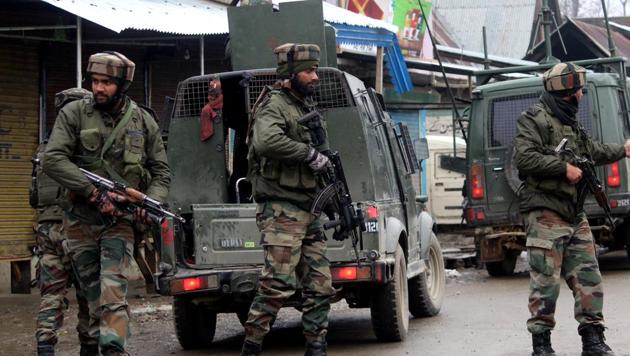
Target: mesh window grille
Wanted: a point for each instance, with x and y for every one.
(331, 92)
(506, 111)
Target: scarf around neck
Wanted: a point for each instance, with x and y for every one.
(564, 110)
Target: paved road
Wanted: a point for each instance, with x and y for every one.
(480, 316)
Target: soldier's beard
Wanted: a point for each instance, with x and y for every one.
(304, 90)
(107, 105)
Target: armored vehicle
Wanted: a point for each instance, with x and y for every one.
(211, 264)
(491, 203)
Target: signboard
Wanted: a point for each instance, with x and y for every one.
(405, 14)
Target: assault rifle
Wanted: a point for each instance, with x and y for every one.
(589, 181)
(334, 199)
(136, 199)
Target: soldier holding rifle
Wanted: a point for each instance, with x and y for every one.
(110, 135)
(559, 238)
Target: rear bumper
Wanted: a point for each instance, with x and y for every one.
(243, 282)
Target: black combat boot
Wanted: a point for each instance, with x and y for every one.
(593, 341)
(541, 344)
(251, 348)
(89, 350)
(315, 348)
(45, 349)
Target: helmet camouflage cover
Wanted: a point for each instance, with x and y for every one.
(64, 97)
(112, 64)
(564, 78)
(294, 58)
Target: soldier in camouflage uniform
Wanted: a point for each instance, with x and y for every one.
(54, 271)
(110, 135)
(283, 166)
(559, 238)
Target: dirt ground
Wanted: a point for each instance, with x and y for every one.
(480, 316)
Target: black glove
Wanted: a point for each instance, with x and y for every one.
(316, 160)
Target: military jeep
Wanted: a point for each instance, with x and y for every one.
(491, 203)
(211, 264)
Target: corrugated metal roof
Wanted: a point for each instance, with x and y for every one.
(508, 24)
(600, 38)
(186, 17)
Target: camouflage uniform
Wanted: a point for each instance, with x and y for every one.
(284, 186)
(54, 270)
(124, 146)
(559, 238)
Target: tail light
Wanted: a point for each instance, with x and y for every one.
(614, 180)
(351, 273)
(476, 181)
(191, 284)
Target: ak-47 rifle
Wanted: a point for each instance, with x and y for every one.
(589, 181)
(334, 199)
(135, 199)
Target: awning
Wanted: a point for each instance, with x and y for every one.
(359, 35)
(197, 17)
(184, 17)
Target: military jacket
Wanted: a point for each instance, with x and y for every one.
(278, 148)
(543, 171)
(136, 154)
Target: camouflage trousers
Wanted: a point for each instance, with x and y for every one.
(54, 276)
(295, 255)
(101, 256)
(557, 248)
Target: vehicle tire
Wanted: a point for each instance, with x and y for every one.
(426, 291)
(194, 325)
(505, 267)
(390, 304)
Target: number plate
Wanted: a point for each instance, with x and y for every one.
(623, 202)
(371, 226)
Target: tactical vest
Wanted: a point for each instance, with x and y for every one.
(553, 131)
(45, 193)
(114, 149)
(277, 179)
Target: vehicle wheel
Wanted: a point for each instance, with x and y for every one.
(194, 325)
(390, 304)
(505, 267)
(426, 291)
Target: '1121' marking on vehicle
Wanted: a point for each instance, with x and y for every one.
(371, 226)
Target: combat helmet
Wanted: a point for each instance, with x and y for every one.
(112, 64)
(65, 96)
(294, 58)
(564, 79)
